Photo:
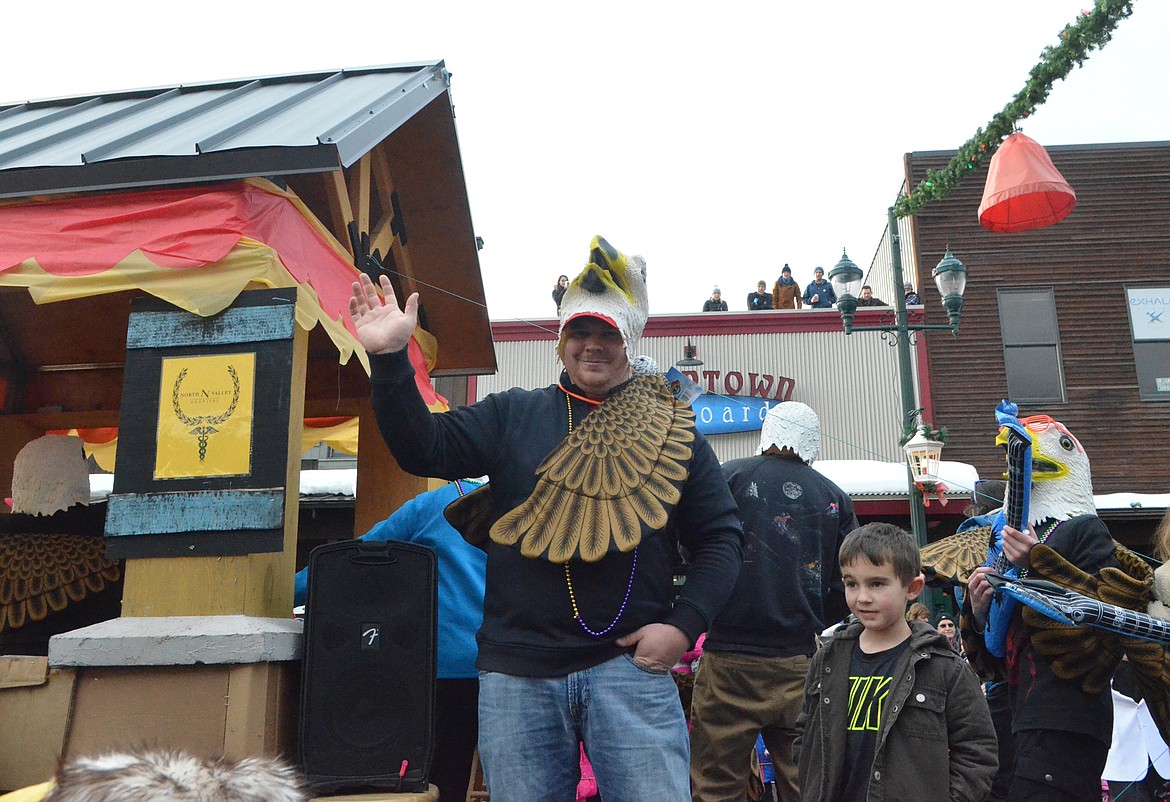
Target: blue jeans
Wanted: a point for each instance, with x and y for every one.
(630, 720)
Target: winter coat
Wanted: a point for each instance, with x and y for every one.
(757, 301)
(935, 742)
(826, 295)
(786, 296)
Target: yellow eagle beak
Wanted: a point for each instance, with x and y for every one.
(606, 271)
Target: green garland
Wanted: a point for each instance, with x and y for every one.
(1091, 31)
(926, 430)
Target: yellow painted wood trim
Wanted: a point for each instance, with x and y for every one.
(382, 237)
(340, 209)
(362, 201)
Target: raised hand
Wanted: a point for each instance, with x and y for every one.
(381, 327)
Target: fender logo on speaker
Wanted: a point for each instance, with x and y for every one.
(371, 637)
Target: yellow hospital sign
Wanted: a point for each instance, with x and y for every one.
(205, 416)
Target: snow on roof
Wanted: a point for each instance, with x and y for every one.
(338, 482)
(1134, 501)
(866, 477)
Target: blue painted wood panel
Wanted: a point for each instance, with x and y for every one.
(195, 511)
(241, 324)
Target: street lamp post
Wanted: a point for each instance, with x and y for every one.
(950, 277)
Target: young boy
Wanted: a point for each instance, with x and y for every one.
(890, 711)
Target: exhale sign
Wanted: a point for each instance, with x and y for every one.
(1149, 312)
(1149, 321)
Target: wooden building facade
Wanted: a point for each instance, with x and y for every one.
(1072, 320)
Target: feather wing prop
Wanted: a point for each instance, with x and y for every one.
(472, 516)
(42, 574)
(1086, 652)
(619, 470)
(1082, 624)
(951, 560)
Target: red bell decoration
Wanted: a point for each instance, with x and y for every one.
(1024, 189)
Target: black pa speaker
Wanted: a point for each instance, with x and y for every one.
(368, 672)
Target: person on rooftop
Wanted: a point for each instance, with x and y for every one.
(819, 294)
(786, 292)
(715, 303)
(760, 299)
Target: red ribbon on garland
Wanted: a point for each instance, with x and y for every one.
(933, 490)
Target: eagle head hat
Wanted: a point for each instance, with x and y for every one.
(612, 287)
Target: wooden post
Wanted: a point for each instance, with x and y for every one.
(251, 584)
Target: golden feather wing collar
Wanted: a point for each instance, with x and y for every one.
(620, 470)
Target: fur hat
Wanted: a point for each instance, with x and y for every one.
(172, 776)
(612, 287)
(794, 425)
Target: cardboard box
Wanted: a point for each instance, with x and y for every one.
(34, 711)
(237, 710)
(210, 685)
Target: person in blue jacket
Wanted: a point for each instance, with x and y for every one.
(819, 293)
(460, 613)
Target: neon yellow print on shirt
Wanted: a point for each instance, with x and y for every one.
(867, 695)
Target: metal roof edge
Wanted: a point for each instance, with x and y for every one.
(106, 176)
(361, 132)
(221, 83)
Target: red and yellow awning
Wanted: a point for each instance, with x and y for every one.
(194, 247)
(339, 433)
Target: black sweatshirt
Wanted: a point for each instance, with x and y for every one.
(528, 626)
(789, 588)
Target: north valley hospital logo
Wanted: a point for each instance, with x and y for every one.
(203, 426)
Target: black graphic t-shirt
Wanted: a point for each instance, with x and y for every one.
(870, 678)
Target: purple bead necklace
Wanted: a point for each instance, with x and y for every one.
(569, 577)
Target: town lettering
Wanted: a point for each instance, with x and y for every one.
(758, 385)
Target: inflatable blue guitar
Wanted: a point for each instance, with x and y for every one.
(1018, 441)
(1069, 607)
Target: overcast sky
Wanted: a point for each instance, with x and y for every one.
(719, 140)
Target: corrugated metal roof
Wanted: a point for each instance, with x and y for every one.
(277, 125)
